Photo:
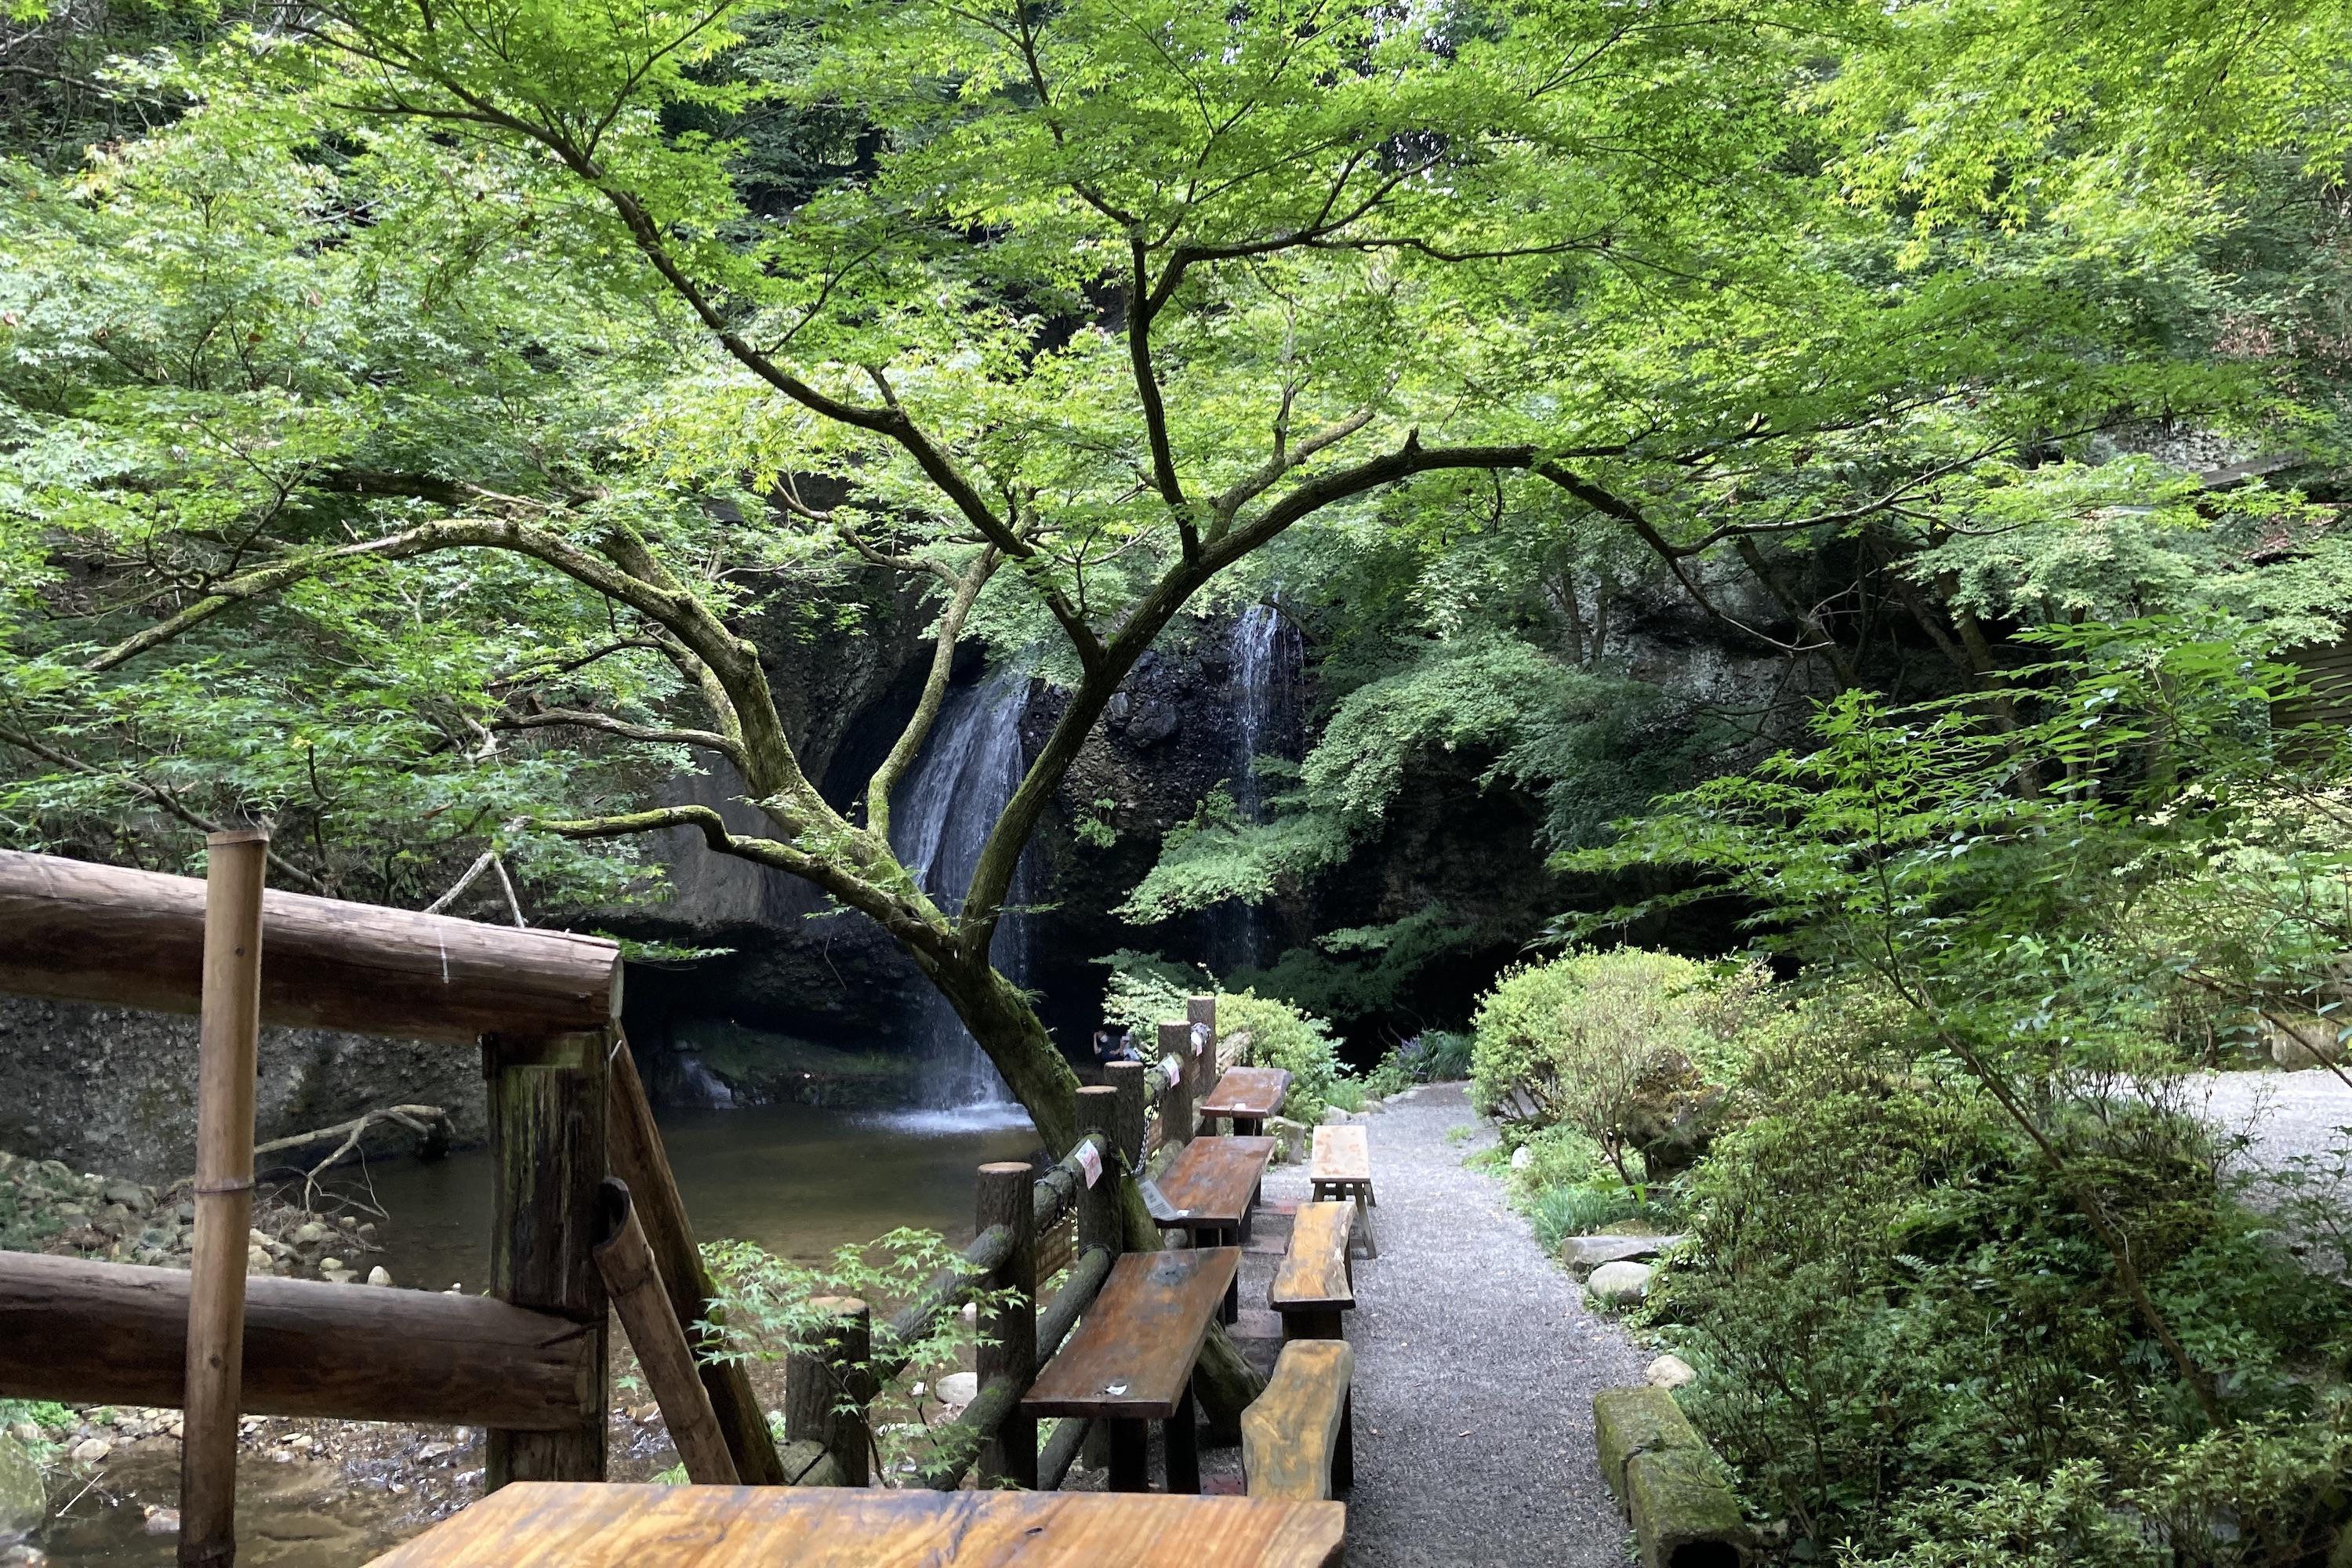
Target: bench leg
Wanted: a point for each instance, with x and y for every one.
(1343, 1457)
(1184, 1448)
(1130, 1447)
(1311, 1326)
(1231, 1311)
(1364, 1222)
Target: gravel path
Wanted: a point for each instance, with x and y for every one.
(2285, 1113)
(1476, 1365)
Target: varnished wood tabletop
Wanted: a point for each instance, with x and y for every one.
(1211, 1180)
(544, 1525)
(1134, 1350)
(1248, 1091)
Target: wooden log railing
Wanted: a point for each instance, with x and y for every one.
(565, 1106)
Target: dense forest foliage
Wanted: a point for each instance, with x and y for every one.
(1869, 473)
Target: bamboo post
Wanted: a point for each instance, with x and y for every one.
(229, 1038)
(1177, 1121)
(827, 1386)
(1008, 1354)
(548, 1140)
(634, 1284)
(639, 1159)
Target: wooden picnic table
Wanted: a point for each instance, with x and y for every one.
(1248, 1095)
(544, 1525)
(1210, 1188)
(1130, 1360)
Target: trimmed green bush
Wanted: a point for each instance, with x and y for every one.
(1608, 1043)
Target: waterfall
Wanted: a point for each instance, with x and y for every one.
(939, 820)
(1268, 658)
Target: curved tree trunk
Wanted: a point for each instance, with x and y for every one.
(1000, 1017)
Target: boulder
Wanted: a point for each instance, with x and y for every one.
(1583, 1254)
(958, 1388)
(1670, 1372)
(2299, 1043)
(90, 1451)
(23, 1501)
(1620, 1285)
(1523, 1157)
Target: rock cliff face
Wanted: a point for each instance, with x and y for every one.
(113, 1089)
(1173, 733)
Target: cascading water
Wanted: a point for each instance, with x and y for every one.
(1268, 661)
(939, 821)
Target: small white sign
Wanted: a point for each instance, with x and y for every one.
(1200, 1038)
(1090, 1164)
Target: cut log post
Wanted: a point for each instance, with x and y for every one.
(1007, 1355)
(73, 931)
(1177, 1122)
(634, 1284)
(1200, 1012)
(116, 1333)
(229, 1036)
(1125, 1080)
(548, 1140)
(639, 1159)
(1098, 1217)
(828, 1386)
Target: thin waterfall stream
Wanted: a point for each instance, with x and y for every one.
(1268, 661)
(939, 822)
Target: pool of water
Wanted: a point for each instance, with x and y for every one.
(799, 1181)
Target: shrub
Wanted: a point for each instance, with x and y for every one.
(1611, 1043)
(1283, 1036)
(1910, 1342)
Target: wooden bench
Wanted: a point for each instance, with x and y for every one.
(1341, 1167)
(1130, 1360)
(1315, 1282)
(1298, 1438)
(1248, 1096)
(1208, 1190)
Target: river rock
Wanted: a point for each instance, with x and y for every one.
(1523, 1157)
(1583, 1254)
(22, 1502)
(379, 1275)
(310, 1234)
(131, 1195)
(1670, 1372)
(90, 1451)
(958, 1388)
(1620, 1285)
(162, 1521)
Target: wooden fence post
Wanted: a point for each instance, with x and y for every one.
(1200, 1012)
(1126, 1079)
(1100, 1223)
(229, 1036)
(548, 1140)
(1177, 1121)
(1098, 1217)
(828, 1386)
(1009, 1352)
